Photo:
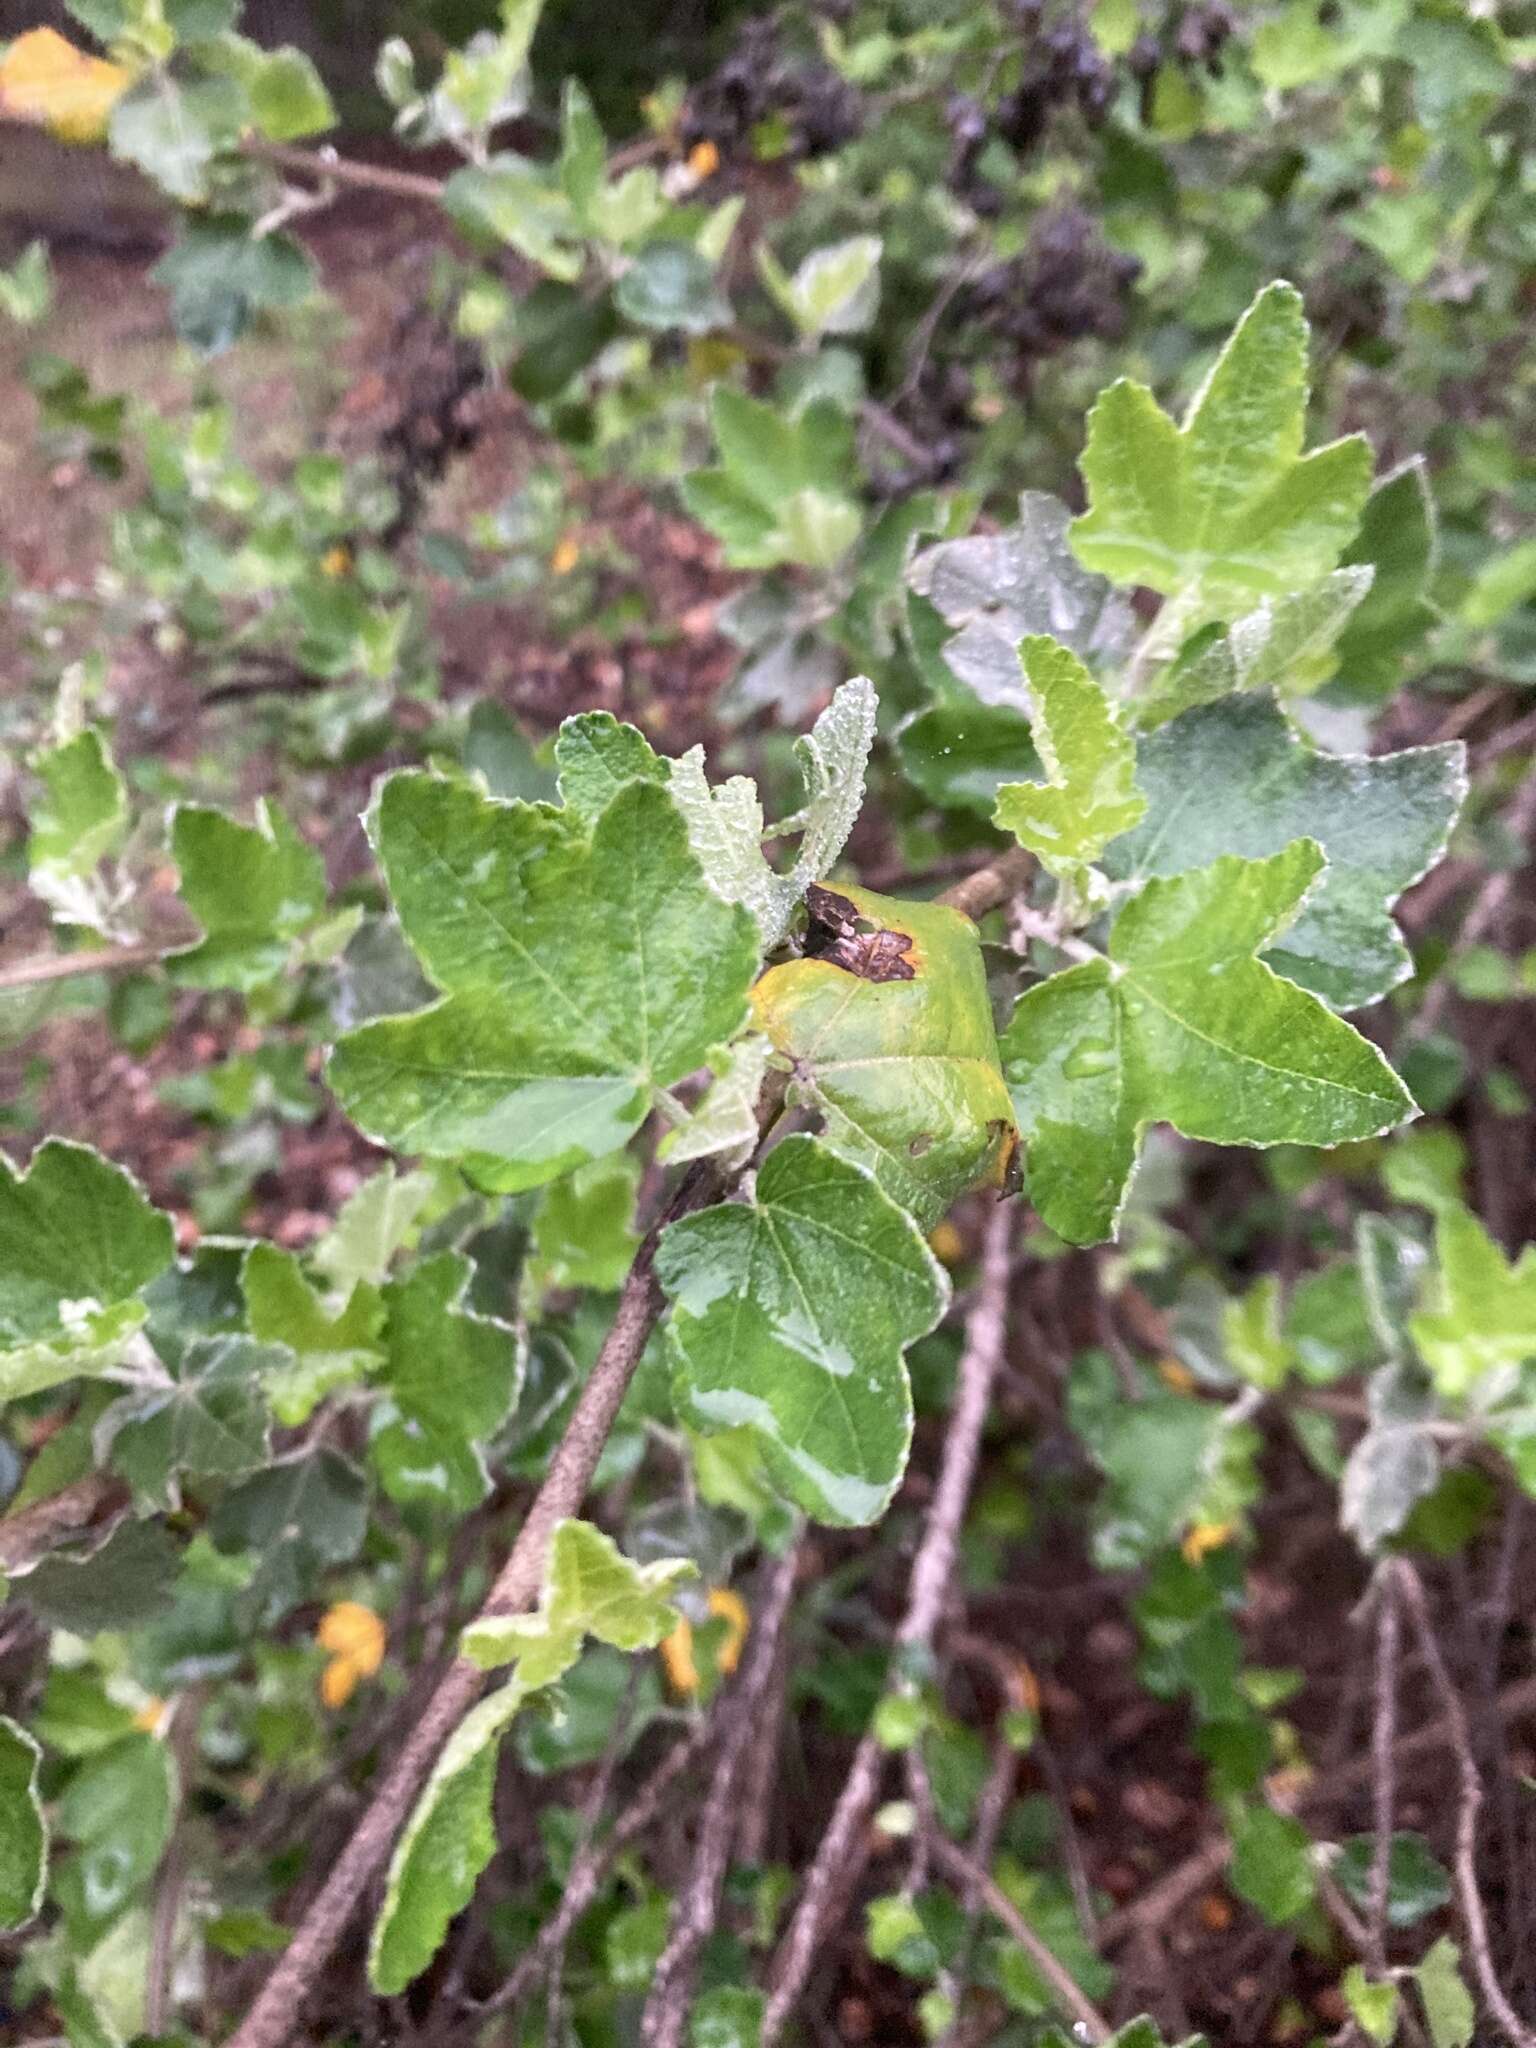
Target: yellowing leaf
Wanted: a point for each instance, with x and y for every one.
(353, 1631)
(46, 80)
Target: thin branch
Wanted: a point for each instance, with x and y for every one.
(991, 885)
(1468, 1896)
(1383, 1767)
(170, 1880)
(1520, 822)
(278, 2007)
(65, 966)
(327, 168)
(698, 1906)
(931, 1573)
(1066, 1987)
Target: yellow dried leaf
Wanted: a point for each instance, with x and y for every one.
(46, 80)
(566, 555)
(677, 1659)
(1205, 1537)
(1176, 1375)
(354, 1632)
(338, 1681)
(703, 160)
(151, 1716)
(946, 1244)
(336, 561)
(732, 1610)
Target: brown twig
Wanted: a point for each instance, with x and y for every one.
(929, 1586)
(1383, 1767)
(170, 1880)
(665, 2017)
(1066, 1987)
(327, 168)
(65, 966)
(1468, 1897)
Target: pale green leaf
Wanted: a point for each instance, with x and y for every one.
(1090, 794)
(1225, 509)
(1237, 778)
(1252, 1338)
(1395, 1464)
(78, 820)
(671, 286)
(512, 201)
(725, 1118)
(583, 1234)
(1272, 1863)
(455, 1372)
(1397, 541)
(835, 290)
(288, 99)
(117, 1807)
(23, 1828)
(590, 1589)
(889, 1026)
(1448, 2005)
(580, 975)
(164, 129)
(1484, 1312)
(996, 589)
(1182, 1024)
(79, 1240)
(374, 1224)
(1285, 643)
(725, 823)
(255, 889)
(327, 1347)
(595, 755)
(782, 491)
(790, 1315)
(1373, 2003)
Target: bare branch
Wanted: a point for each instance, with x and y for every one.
(1066, 1987)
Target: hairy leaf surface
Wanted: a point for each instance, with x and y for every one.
(1090, 794)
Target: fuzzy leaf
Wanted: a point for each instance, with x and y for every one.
(1285, 643)
(1237, 778)
(834, 291)
(999, 588)
(1182, 1024)
(373, 1225)
(326, 1347)
(890, 1031)
(781, 492)
(1090, 794)
(578, 975)
(23, 1829)
(725, 824)
(76, 823)
(725, 1120)
(590, 1589)
(790, 1315)
(596, 756)
(209, 1419)
(1485, 1314)
(78, 1241)
(1225, 509)
(255, 889)
(1395, 1464)
(454, 1372)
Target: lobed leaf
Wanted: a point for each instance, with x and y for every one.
(23, 1827)
(255, 889)
(1183, 1024)
(791, 1312)
(1090, 795)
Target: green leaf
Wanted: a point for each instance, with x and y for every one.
(1285, 643)
(328, 1348)
(1448, 2005)
(790, 1315)
(26, 289)
(1090, 795)
(79, 1239)
(590, 1589)
(254, 889)
(118, 1809)
(835, 290)
(1374, 2005)
(725, 824)
(1484, 1315)
(1417, 1882)
(727, 2016)
(119, 1584)
(1255, 1346)
(166, 131)
(960, 755)
(725, 1118)
(670, 287)
(23, 1828)
(889, 1026)
(1182, 1024)
(1395, 1464)
(584, 1234)
(80, 818)
(219, 275)
(579, 975)
(455, 1372)
(510, 201)
(1225, 509)
(1397, 540)
(297, 1516)
(781, 493)
(1272, 1863)
(208, 1418)
(997, 589)
(288, 99)
(1237, 778)
(374, 1224)
(596, 756)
